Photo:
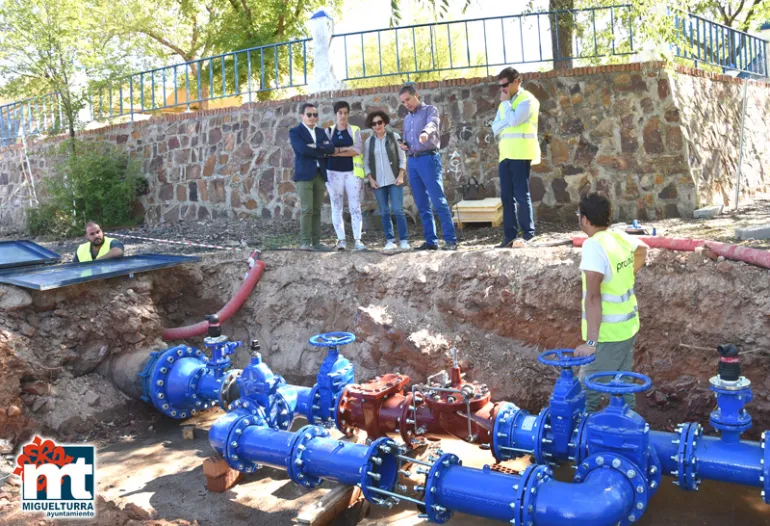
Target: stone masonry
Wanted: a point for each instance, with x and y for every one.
(660, 141)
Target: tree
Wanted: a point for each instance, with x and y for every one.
(40, 41)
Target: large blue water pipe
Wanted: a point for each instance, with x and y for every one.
(563, 432)
(617, 488)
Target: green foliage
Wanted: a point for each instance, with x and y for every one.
(99, 183)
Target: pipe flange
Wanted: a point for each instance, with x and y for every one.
(654, 470)
(506, 422)
(411, 434)
(579, 440)
(381, 473)
(765, 443)
(232, 445)
(526, 493)
(247, 406)
(629, 470)
(295, 463)
(437, 513)
(538, 436)
(155, 379)
(687, 463)
(228, 383)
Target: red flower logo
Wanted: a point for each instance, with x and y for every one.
(40, 452)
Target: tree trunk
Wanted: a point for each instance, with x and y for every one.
(562, 26)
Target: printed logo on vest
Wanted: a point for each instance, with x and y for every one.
(58, 479)
(623, 264)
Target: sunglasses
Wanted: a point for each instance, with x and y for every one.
(312, 115)
(378, 123)
(506, 84)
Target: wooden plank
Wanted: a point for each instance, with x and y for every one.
(203, 420)
(323, 511)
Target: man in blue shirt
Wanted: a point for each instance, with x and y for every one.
(422, 142)
(311, 147)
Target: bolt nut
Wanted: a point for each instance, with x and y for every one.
(616, 463)
(600, 461)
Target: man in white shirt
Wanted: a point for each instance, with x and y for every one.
(610, 261)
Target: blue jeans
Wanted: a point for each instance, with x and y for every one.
(396, 195)
(426, 180)
(514, 192)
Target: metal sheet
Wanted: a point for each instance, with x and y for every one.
(53, 277)
(22, 252)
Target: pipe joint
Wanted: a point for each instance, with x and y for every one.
(642, 486)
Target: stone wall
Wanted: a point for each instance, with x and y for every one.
(710, 110)
(647, 137)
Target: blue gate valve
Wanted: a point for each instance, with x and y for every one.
(181, 380)
(335, 374)
(567, 403)
(618, 431)
(733, 393)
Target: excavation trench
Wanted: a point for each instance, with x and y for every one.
(65, 354)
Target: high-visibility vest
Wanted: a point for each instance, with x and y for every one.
(520, 142)
(84, 250)
(620, 314)
(358, 160)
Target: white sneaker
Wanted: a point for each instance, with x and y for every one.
(404, 245)
(390, 245)
(341, 244)
(359, 245)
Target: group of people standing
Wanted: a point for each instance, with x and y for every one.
(337, 159)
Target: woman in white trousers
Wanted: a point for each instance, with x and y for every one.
(345, 172)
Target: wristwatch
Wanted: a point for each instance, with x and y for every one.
(591, 343)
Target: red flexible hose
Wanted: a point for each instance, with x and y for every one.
(228, 310)
(753, 256)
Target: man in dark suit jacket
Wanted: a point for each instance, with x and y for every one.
(311, 147)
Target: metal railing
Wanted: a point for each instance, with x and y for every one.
(246, 72)
(704, 41)
(30, 117)
(487, 42)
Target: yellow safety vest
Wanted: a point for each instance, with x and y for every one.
(358, 160)
(620, 316)
(520, 142)
(84, 250)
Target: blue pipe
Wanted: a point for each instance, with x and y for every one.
(715, 459)
(604, 497)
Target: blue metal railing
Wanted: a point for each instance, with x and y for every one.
(487, 42)
(245, 72)
(30, 117)
(704, 41)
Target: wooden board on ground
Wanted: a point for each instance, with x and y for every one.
(489, 210)
(203, 420)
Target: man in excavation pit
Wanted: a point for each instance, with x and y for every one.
(98, 246)
(610, 322)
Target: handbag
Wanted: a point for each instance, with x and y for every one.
(473, 190)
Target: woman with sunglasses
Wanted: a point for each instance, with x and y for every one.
(345, 169)
(384, 164)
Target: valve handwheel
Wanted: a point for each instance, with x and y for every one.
(332, 339)
(564, 358)
(617, 386)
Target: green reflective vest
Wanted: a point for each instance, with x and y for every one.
(520, 142)
(620, 316)
(84, 250)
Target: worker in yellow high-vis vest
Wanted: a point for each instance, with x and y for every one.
(610, 261)
(98, 246)
(515, 127)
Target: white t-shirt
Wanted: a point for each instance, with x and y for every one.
(594, 257)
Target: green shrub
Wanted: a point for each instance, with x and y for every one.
(96, 182)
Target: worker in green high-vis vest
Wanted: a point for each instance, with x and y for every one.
(98, 246)
(610, 261)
